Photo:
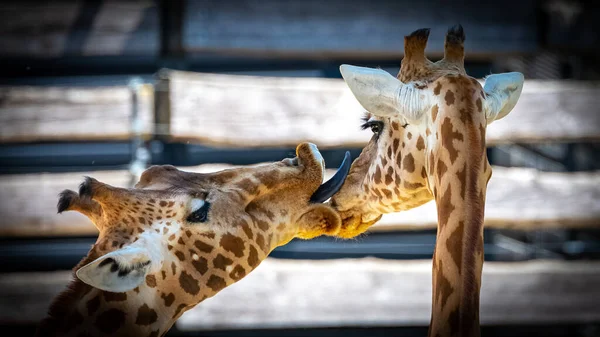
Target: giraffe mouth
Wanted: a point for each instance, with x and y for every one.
(333, 185)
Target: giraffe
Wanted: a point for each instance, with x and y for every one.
(429, 125)
(178, 238)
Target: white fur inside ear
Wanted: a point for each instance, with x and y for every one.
(502, 93)
(118, 271)
(125, 268)
(384, 95)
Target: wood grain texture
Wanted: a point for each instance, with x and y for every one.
(338, 28)
(517, 198)
(30, 114)
(353, 292)
(253, 111)
(41, 29)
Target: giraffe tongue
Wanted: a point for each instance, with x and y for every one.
(333, 185)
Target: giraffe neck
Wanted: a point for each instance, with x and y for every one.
(459, 189)
(109, 314)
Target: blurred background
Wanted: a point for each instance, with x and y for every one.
(106, 88)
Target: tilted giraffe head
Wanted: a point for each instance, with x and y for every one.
(421, 122)
(178, 238)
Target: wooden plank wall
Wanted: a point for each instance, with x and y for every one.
(353, 292)
(517, 198)
(338, 28)
(78, 28)
(254, 111)
(33, 114)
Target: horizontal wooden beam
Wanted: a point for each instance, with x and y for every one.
(517, 198)
(33, 114)
(338, 28)
(353, 292)
(252, 111)
(49, 30)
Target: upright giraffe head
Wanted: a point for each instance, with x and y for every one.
(429, 127)
(431, 112)
(178, 238)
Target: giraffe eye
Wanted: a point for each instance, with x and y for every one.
(201, 214)
(375, 126)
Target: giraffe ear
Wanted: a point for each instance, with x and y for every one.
(320, 219)
(502, 93)
(118, 271)
(125, 268)
(384, 95)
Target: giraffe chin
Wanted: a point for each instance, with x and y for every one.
(354, 226)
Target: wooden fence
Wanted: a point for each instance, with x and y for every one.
(517, 198)
(268, 112)
(353, 292)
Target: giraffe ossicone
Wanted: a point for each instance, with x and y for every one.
(429, 124)
(178, 238)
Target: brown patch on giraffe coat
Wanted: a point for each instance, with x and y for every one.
(233, 244)
(448, 135)
(420, 143)
(253, 257)
(246, 228)
(441, 170)
(409, 135)
(203, 247)
(221, 262)
(389, 177)
(142, 220)
(210, 235)
(164, 274)
(377, 176)
(423, 172)
(93, 304)
(445, 207)
(110, 321)
(263, 225)
(260, 241)
(412, 186)
(454, 321)
(151, 281)
(408, 164)
(455, 245)
(173, 268)
(437, 89)
(443, 287)
(449, 98)
(215, 283)
(395, 145)
(395, 126)
(178, 310)
(247, 185)
(387, 193)
(169, 299)
(188, 283)
(434, 112)
(237, 273)
(464, 115)
(180, 255)
(201, 265)
(114, 297)
(146, 315)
